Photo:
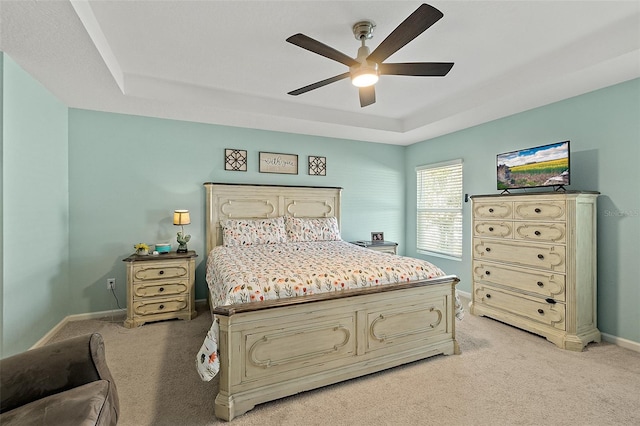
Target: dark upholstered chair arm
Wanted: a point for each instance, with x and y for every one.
(52, 369)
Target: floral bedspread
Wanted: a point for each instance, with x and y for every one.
(274, 271)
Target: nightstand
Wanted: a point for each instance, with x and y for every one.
(160, 287)
(382, 246)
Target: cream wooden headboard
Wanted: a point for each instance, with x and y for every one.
(246, 201)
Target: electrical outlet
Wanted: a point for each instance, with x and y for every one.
(111, 283)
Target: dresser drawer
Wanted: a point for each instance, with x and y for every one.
(550, 257)
(160, 271)
(493, 229)
(534, 231)
(538, 282)
(160, 288)
(538, 310)
(160, 306)
(540, 210)
(493, 210)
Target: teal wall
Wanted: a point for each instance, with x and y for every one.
(80, 187)
(35, 210)
(604, 130)
(128, 174)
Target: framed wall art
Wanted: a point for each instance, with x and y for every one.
(235, 160)
(273, 162)
(317, 166)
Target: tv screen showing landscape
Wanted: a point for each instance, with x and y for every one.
(546, 165)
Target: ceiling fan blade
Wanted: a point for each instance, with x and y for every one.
(420, 69)
(318, 84)
(315, 46)
(367, 96)
(421, 19)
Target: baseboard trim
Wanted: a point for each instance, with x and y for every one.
(619, 341)
(464, 294)
(93, 315)
(76, 317)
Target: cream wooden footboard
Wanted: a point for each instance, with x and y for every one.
(277, 348)
(273, 349)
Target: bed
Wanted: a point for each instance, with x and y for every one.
(289, 325)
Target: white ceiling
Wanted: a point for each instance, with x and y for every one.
(227, 62)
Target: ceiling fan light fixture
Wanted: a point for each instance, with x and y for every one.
(365, 68)
(364, 75)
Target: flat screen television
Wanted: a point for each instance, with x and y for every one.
(546, 165)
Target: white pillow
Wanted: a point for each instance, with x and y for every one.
(312, 229)
(245, 232)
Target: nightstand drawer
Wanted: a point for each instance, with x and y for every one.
(160, 271)
(549, 257)
(546, 284)
(391, 249)
(164, 288)
(540, 210)
(538, 310)
(160, 306)
(493, 229)
(547, 232)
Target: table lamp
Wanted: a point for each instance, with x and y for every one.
(181, 218)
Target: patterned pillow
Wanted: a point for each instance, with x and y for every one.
(245, 232)
(312, 229)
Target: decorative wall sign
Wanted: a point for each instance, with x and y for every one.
(235, 160)
(317, 166)
(271, 162)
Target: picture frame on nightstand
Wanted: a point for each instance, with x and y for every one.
(377, 237)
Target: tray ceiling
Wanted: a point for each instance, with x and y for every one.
(227, 62)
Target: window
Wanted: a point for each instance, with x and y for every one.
(439, 208)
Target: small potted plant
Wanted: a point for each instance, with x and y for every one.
(141, 249)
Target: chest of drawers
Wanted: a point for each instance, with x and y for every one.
(534, 263)
(160, 287)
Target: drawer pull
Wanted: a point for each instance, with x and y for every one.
(541, 311)
(491, 229)
(540, 284)
(488, 296)
(161, 307)
(488, 249)
(161, 289)
(537, 210)
(161, 272)
(487, 272)
(490, 210)
(550, 301)
(540, 257)
(537, 233)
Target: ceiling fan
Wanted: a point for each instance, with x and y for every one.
(366, 67)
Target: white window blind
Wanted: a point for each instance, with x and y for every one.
(439, 207)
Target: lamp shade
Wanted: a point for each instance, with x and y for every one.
(181, 217)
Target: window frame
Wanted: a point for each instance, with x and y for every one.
(450, 252)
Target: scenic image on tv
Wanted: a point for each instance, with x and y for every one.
(546, 165)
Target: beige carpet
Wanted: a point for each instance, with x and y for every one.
(504, 376)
